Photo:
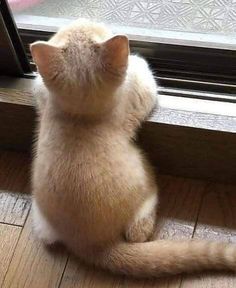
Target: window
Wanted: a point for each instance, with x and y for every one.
(13, 59)
(191, 44)
(203, 23)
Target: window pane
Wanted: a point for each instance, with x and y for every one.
(206, 23)
(13, 59)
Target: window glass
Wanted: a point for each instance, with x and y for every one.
(207, 23)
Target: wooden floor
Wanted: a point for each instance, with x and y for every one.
(189, 208)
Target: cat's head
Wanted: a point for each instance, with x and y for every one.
(82, 65)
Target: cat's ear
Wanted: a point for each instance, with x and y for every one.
(115, 52)
(43, 53)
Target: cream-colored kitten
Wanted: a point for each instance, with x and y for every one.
(93, 189)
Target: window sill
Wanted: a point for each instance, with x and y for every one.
(183, 137)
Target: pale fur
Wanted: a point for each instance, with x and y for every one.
(42, 227)
(93, 188)
(148, 205)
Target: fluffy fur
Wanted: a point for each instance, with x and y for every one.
(93, 189)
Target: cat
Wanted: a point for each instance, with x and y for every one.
(93, 188)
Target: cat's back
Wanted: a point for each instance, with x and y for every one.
(85, 163)
(79, 151)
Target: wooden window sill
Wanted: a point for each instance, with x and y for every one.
(183, 137)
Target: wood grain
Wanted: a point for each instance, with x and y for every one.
(8, 239)
(78, 275)
(14, 171)
(180, 200)
(179, 203)
(13, 208)
(206, 121)
(190, 152)
(32, 265)
(15, 96)
(17, 123)
(217, 221)
(14, 197)
(17, 113)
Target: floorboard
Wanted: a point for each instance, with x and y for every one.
(14, 188)
(8, 239)
(32, 265)
(217, 221)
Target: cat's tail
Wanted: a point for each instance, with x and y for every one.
(167, 257)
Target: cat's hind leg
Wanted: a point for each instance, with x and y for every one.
(41, 227)
(143, 225)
